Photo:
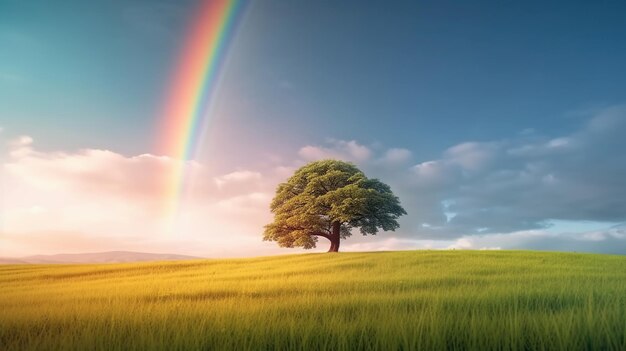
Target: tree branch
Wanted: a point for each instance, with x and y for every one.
(321, 234)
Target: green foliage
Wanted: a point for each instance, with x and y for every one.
(410, 300)
(326, 192)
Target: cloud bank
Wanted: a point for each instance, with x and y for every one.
(530, 191)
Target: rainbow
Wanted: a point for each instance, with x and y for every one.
(195, 79)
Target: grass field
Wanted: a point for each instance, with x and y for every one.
(427, 300)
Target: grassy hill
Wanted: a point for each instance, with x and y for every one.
(390, 300)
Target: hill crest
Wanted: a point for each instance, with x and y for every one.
(96, 257)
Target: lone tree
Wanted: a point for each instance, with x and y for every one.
(327, 199)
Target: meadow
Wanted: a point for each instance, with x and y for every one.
(409, 300)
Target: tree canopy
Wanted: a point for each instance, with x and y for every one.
(328, 199)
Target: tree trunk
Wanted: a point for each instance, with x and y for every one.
(335, 237)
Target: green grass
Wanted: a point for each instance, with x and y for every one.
(428, 300)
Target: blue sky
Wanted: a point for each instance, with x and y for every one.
(422, 76)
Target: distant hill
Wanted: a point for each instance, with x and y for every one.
(97, 257)
(10, 261)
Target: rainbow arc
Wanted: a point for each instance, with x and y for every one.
(188, 107)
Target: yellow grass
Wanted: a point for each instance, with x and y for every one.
(393, 300)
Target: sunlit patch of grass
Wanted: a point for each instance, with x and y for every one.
(392, 300)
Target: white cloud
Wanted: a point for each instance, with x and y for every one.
(478, 195)
(396, 156)
(463, 244)
(237, 179)
(252, 202)
(95, 200)
(98, 199)
(522, 182)
(609, 240)
(338, 149)
(558, 143)
(472, 156)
